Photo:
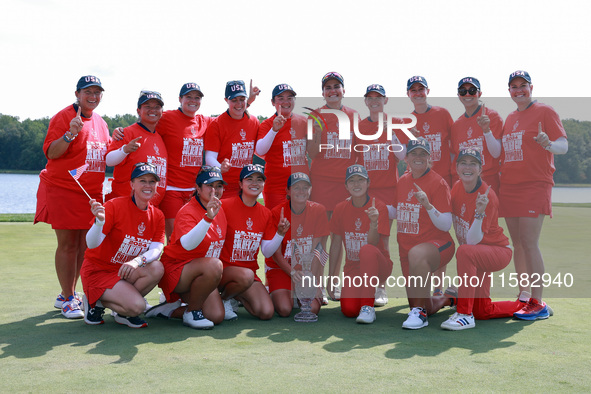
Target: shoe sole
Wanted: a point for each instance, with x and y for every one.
(460, 328)
(87, 308)
(126, 323)
(197, 328)
(231, 318)
(415, 328)
(379, 304)
(150, 312)
(532, 318)
(365, 322)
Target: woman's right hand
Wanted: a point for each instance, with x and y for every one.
(133, 145)
(225, 166)
(213, 206)
(97, 210)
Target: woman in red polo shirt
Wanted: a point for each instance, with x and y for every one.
(250, 226)
(483, 246)
(76, 142)
(532, 135)
(121, 264)
(423, 222)
(191, 259)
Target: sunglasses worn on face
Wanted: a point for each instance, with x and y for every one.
(472, 91)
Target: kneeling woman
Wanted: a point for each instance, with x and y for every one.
(424, 242)
(483, 246)
(121, 264)
(250, 225)
(192, 266)
(310, 224)
(362, 225)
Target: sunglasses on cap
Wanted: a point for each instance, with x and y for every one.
(332, 75)
(209, 168)
(463, 91)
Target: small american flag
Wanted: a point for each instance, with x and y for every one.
(77, 173)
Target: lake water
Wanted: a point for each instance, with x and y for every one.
(18, 193)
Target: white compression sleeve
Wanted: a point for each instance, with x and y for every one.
(194, 237)
(269, 247)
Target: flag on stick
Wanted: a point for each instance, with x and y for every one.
(76, 174)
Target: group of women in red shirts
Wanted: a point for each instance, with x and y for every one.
(199, 171)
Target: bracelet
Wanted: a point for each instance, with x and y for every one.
(207, 219)
(69, 139)
(143, 261)
(479, 215)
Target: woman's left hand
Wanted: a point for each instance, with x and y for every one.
(482, 201)
(283, 225)
(372, 212)
(542, 138)
(254, 92)
(128, 268)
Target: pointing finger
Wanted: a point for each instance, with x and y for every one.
(79, 111)
(281, 216)
(136, 139)
(483, 109)
(540, 131)
(418, 188)
(487, 190)
(373, 203)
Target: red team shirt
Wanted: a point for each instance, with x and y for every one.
(413, 223)
(152, 150)
(523, 159)
(90, 147)
(463, 207)
(352, 224)
(129, 232)
(435, 126)
(466, 133)
(233, 139)
(247, 227)
(287, 154)
(310, 224)
(331, 164)
(380, 163)
(175, 256)
(183, 137)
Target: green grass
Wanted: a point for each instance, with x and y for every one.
(42, 352)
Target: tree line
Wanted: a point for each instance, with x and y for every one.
(21, 146)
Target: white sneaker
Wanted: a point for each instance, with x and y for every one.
(161, 297)
(235, 304)
(229, 313)
(71, 309)
(163, 310)
(367, 315)
(148, 306)
(337, 294)
(324, 297)
(195, 319)
(381, 298)
(417, 318)
(59, 301)
(459, 321)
